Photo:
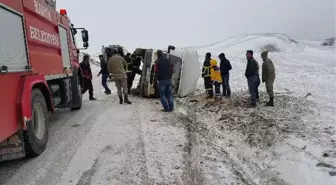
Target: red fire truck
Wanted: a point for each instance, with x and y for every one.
(39, 71)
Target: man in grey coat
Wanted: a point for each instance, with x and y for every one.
(268, 76)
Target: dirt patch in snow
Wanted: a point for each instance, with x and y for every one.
(236, 144)
(261, 126)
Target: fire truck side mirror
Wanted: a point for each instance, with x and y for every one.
(85, 36)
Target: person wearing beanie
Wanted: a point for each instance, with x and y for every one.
(268, 76)
(216, 78)
(252, 75)
(164, 72)
(206, 76)
(225, 67)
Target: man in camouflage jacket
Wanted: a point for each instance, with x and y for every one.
(268, 76)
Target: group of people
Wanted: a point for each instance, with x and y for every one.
(122, 67)
(215, 76)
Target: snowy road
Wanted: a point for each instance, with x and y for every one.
(108, 143)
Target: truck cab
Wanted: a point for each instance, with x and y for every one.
(39, 72)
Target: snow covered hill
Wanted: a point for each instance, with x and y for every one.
(292, 143)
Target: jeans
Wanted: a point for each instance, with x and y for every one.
(166, 94)
(253, 84)
(104, 82)
(226, 85)
(217, 89)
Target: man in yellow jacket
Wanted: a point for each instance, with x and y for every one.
(216, 78)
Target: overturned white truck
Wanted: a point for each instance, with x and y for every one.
(186, 72)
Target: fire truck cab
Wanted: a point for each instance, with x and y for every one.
(39, 71)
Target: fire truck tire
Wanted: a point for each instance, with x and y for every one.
(78, 93)
(36, 135)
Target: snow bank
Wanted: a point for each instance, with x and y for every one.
(255, 42)
(305, 111)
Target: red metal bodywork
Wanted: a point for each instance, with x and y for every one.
(44, 59)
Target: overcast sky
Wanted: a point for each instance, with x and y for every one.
(152, 23)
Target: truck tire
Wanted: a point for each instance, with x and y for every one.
(36, 135)
(76, 93)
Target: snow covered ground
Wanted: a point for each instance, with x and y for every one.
(291, 143)
(202, 143)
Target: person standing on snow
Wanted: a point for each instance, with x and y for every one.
(116, 66)
(268, 76)
(105, 74)
(129, 68)
(87, 76)
(252, 75)
(216, 78)
(206, 76)
(225, 67)
(164, 71)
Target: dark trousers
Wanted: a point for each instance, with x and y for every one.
(226, 85)
(87, 85)
(208, 86)
(104, 82)
(166, 94)
(253, 85)
(130, 79)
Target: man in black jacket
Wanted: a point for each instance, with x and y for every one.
(206, 76)
(225, 67)
(252, 75)
(105, 74)
(164, 71)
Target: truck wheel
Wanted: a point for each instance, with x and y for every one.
(79, 97)
(36, 135)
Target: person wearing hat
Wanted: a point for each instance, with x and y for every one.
(206, 76)
(163, 69)
(225, 67)
(87, 76)
(252, 75)
(116, 65)
(268, 76)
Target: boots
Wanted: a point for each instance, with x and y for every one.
(270, 103)
(126, 99)
(121, 100)
(210, 94)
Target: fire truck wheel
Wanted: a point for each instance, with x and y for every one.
(36, 135)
